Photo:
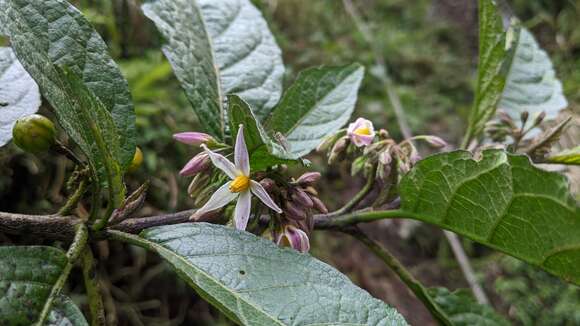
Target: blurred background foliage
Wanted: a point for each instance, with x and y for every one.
(430, 48)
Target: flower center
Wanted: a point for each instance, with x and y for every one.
(363, 131)
(240, 183)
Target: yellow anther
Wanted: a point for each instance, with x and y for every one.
(240, 183)
(363, 131)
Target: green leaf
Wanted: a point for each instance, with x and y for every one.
(500, 200)
(263, 151)
(531, 82)
(320, 101)
(66, 313)
(19, 95)
(217, 48)
(464, 311)
(27, 275)
(254, 282)
(570, 156)
(491, 75)
(51, 33)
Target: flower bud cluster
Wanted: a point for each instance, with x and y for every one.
(504, 126)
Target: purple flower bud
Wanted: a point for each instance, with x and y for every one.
(268, 184)
(295, 238)
(436, 141)
(294, 212)
(192, 138)
(319, 205)
(300, 197)
(197, 164)
(309, 178)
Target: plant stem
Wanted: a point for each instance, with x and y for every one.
(73, 200)
(326, 222)
(358, 197)
(412, 283)
(93, 289)
(73, 253)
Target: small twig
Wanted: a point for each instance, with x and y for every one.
(73, 200)
(404, 275)
(73, 253)
(358, 197)
(93, 289)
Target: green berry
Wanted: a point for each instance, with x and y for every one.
(34, 133)
(137, 160)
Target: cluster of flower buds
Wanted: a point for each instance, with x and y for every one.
(504, 126)
(299, 201)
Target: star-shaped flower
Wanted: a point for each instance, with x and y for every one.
(361, 132)
(241, 187)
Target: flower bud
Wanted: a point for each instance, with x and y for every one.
(300, 197)
(293, 237)
(197, 164)
(436, 141)
(268, 184)
(197, 184)
(338, 149)
(524, 117)
(308, 178)
(311, 191)
(294, 212)
(319, 205)
(192, 138)
(137, 160)
(34, 133)
(540, 118)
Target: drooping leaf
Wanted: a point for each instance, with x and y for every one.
(19, 95)
(320, 101)
(218, 48)
(502, 201)
(531, 83)
(65, 313)
(463, 310)
(264, 152)
(491, 75)
(51, 33)
(254, 282)
(570, 156)
(27, 275)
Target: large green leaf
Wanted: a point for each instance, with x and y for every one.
(502, 201)
(27, 275)
(19, 95)
(464, 311)
(51, 33)
(263, 151)
(491, 75)
(320, 101)
(254, 282)
(531, 82)
(218, 48)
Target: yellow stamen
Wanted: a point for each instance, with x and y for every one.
(363, 131)
(240, 183)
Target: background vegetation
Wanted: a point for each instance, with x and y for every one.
(430, 48)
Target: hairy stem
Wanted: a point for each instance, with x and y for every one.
(358, 197)
(93, 289)
(72, 202)
(413, 284)
(73, 253)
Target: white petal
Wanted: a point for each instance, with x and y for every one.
(241, 153)
(219, 199)
(222, 163)
(242, 213)
(261, 193)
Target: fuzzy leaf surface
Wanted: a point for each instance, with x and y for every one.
(49, 34)
(500, 200)
(254, 282)
(19, 94)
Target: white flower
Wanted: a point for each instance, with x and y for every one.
(361, 132)
(241, 186)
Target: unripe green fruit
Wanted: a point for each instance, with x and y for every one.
(34, 133)
(137, 160)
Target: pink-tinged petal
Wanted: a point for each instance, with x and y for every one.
(262, 194)
(197, 164)
(222, 163)
(241, 157)
(295, 238)
(362, 140)
(192, 138)
(242, 213)
(359, 123)
(219, 199)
